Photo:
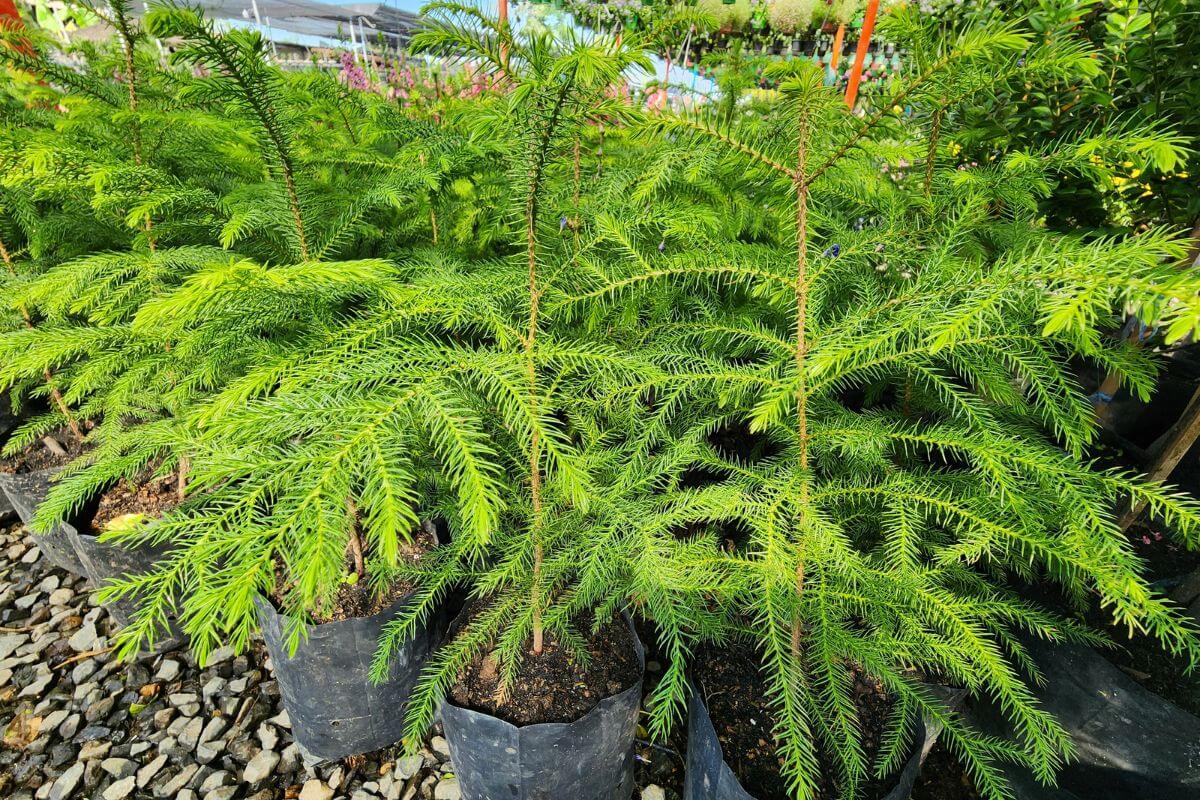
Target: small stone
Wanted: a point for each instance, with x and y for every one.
(314, 790)
(147, 773)
(68, 729)
(94, 749)
(171, 786)
(31, 556)
(440, 746)
(206, 752)
(447, 789)
(215, 781)
(93, 732)
(120, 789)
(119, 768)
(213, 730)
(261, 767)
(267, 736)
(39, 686)
(183, 699)
(190, 736)
(219, 656)
(83, 639)
(60, 597)
(137, 748)
(168, 671)
(67, 782)
(407, 767)
(100, 709)
(223, 793)
(84, 670)
(654, 792)
(281, 720)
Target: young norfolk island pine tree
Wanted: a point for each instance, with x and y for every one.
(906, 368)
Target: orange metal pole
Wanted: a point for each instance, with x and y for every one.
(503, 18)
(838, 40)
(10, 19)
(860, 55)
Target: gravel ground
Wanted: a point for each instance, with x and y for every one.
(78, 724)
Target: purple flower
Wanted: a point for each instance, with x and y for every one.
(833, 251)
(562, 223)
(662, 245)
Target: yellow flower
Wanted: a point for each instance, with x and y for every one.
(1126, 164)
(1119, 181)
(1183, 175)
(1135, 173)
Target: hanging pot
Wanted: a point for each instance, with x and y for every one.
(25, 492)
(588, 759)
(708, 777)
(335, 708)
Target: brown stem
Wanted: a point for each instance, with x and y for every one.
(127, 42)
(801, 344)
(55, 394)
(931, 154)
(355, 544)
(294, 202)
(536, 169)
(181, 478)
(535, 443)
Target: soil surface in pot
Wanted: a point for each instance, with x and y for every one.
(553, 686)
(735, 691)
(151, 498)
(362, 599)
(1145, 658)
(943, 777)
(38, 456)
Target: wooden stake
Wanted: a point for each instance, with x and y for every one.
(860, 55)
(1175, 444)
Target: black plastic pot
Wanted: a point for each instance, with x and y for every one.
(335, 708)
(588, 759)
(1129, 742)
(26, 491)
(104, 561)
(708, 777)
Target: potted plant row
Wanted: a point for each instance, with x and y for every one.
(764, 418)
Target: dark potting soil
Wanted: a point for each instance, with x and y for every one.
(152, 497)
(1142, 657)
(553, 686)
(38, 456)
(943, 777)
(735, 691)
(361, 600)
(356, 600)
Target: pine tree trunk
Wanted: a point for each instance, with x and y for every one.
(801, 344)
